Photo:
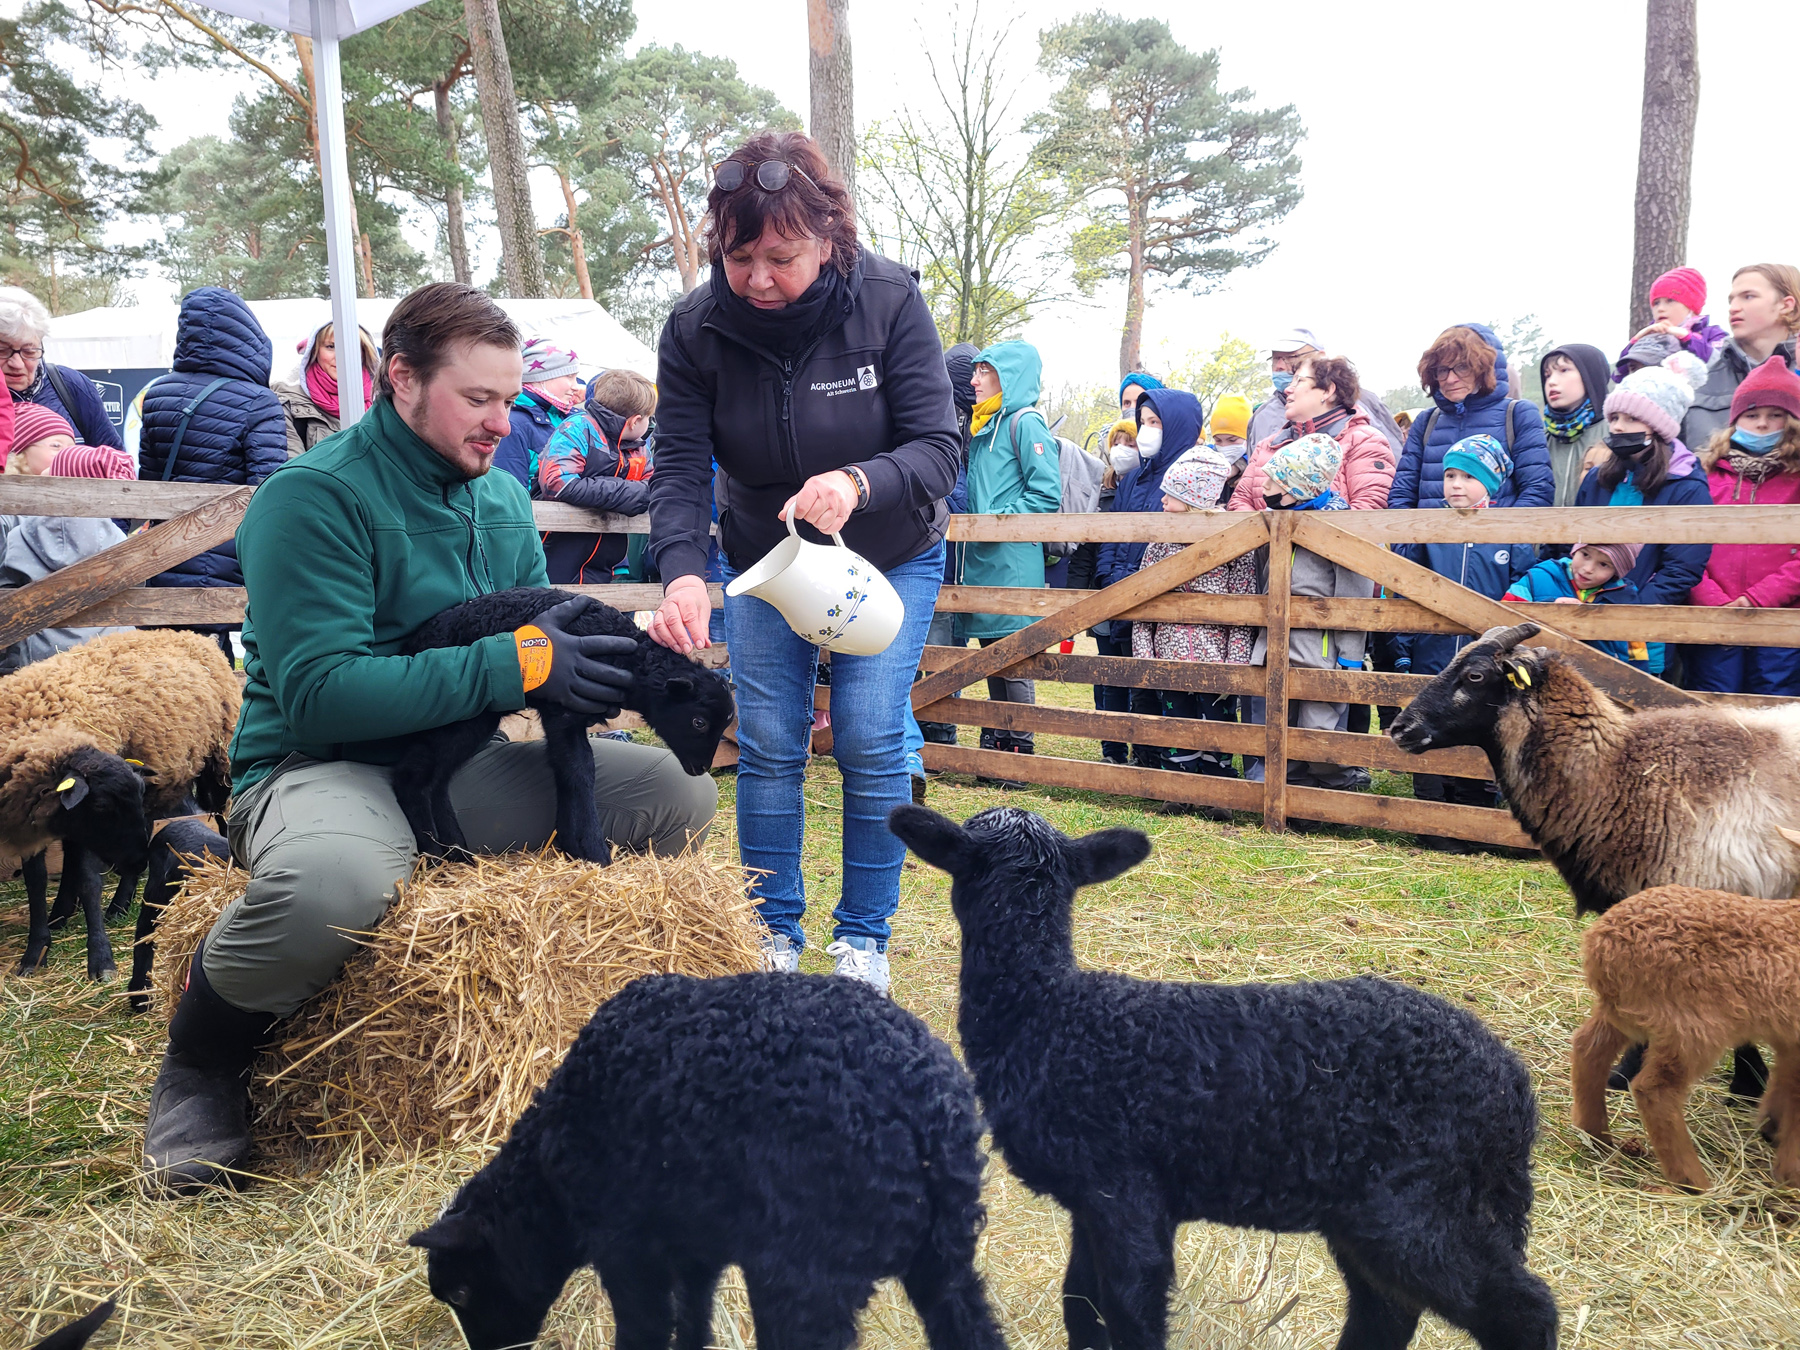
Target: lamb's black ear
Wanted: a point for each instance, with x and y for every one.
(681, 686)
(71, 790)
(77, 1334)
(448, 1233)
(937, 839)
(1107, 853)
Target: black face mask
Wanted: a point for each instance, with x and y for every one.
(1631, 444)
(1273, 501)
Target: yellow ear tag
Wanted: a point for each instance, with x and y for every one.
(1525, 675)
(65, 785)
(135, 763)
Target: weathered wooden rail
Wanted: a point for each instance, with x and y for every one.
(108, 589)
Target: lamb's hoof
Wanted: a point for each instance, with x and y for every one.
(1632, 1148)
(140, 1003)
(31, 965)
(104, 973)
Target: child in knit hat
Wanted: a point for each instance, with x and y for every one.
(1474, 469)
(1753, 461)
(1593, 574)
(1226, 431)
(38, 433)
(1677, 298)
(1193, 483)
(1647, 465)
(1298, 477)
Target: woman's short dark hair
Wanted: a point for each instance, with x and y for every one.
(819, 209)
(1650, 474)
(1336, 371)
(429, 323)
(1459, 347)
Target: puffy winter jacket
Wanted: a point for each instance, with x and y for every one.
(870, 391)
(1550, 581)
(533, 421)
(1008, 476)
(88, 416)
(238, 436)
(1711, 408)
(1487, 569)
(1419, 479)
(581, 465)
(1141, 488)
(1768, 574)
(33, 548)
(1365, 479)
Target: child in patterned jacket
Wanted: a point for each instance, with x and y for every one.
(1195, 482)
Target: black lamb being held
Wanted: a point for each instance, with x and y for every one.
(800, 1127)
(1389, 1121)
(685, 704)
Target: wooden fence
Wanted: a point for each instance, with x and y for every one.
(108, 589)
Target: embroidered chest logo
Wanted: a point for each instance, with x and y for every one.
(865, 377)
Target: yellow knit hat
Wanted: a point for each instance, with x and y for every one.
(1230, 417)
(1125, 427)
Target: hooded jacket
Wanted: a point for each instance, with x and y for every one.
(33, 548)
(533, 423)
(582, 464)
(1141, 487)
(1768, 574)
(1711, 408)
(238, 436)
(1364, 481)
(1012, 471)
(1419, 479)
(1566, 456)
(871, 391)
(1550, 581)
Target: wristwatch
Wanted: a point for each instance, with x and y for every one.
(862, 486)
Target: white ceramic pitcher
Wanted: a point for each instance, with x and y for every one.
(833, 597)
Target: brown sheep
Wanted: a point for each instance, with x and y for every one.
(1691, 972)
(97, 741)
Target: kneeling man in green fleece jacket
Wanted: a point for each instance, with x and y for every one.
(346, 551)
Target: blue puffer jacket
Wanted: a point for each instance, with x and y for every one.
(238, 436)
(1141, 488)
(532, 423)
(1419, 477)
(1487, 569)
(1551, 581)
(88, 416)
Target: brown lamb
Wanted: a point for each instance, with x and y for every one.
(1692, 972)
(168, 699)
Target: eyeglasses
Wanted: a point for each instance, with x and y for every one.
(29, 353)
(771, 175)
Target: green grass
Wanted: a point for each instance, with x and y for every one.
(320, 1257)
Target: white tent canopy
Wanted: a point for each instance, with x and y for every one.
(142, 337)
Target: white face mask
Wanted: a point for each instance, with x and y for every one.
(1149, 441)
(1125, 458)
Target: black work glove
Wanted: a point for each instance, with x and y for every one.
(567, 670)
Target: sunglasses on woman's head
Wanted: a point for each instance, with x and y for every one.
(771, 175)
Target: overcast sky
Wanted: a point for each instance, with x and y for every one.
(1460, 162)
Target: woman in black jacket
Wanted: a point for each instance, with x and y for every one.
(810, 372)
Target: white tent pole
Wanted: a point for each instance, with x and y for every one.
(334, 163)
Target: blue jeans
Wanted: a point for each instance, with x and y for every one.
(774, 669)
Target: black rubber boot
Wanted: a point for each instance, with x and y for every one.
(198, 1134)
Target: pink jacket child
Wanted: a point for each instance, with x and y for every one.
(1196, 480)
(1364, 480)
(1767, 575)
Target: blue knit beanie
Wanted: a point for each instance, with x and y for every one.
(1483, 458)
(1141, 380)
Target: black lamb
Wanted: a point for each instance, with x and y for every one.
(800, 1127)
(176, 845)
(1391, 1122)
(687, 705)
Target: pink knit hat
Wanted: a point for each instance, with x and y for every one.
(33, 422)
(1623, 557)
(1770, 385)
(1683, 285)
(91, 461)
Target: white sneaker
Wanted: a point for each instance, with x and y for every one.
(780, 952)
(858, 959)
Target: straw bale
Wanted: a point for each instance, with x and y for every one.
(471, 989)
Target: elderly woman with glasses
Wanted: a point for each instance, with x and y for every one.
(810, 372)
(24, 323)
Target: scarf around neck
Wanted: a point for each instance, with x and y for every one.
(322, 388)
(542, 395)
(1329, 425)
(1567, 426)
(978, 418)
(794, 327)
(1752, 468)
